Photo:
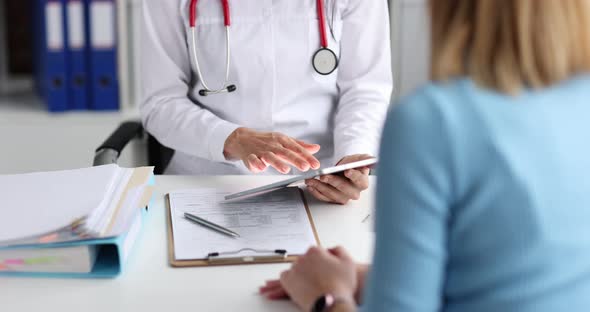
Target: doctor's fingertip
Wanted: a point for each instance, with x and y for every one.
(303, 166)
(314, 148)
(313, 162)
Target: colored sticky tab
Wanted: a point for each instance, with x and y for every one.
(3, 267)
(14, 262)
(48, 238)
(41, 260)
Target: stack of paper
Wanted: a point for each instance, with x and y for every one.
(52, 221)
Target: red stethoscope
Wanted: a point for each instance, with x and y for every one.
(324, 60)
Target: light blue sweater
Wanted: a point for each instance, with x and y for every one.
(484, 202)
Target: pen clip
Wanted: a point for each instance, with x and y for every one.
(271, 255)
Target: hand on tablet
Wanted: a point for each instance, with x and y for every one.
(259, 150)
(341, 189)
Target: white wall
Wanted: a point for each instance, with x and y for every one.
(129, 23)
(410, 44)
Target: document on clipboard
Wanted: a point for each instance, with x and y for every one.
(275, 227)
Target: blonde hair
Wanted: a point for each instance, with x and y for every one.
(508, 45)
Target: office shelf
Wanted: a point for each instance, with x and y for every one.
(33, 139)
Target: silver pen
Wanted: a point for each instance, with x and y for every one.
(211, 225)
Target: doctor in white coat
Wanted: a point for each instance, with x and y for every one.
(306, 82)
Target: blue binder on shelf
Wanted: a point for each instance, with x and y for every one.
(51, 58)
(102, 53)
(77, 55)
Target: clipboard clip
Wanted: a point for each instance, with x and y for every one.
(233, 256)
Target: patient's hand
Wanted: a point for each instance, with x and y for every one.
(317, 273)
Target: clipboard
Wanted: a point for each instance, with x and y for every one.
(267, 256)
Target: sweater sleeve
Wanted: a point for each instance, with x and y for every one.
(414, 195)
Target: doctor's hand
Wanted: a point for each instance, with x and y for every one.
(341, 189)
(259, 150)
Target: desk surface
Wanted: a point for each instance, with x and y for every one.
(150, 284)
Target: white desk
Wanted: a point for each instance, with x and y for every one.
(150, 284)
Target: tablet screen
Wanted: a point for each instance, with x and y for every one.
(308, 175)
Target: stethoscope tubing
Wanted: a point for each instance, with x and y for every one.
(193, 13)
(227, 21)
(207, 90)
(322, 23)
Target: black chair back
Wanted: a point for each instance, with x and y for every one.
(159, 155)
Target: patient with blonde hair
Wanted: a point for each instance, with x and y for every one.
(483, 196)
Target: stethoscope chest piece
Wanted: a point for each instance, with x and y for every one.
(325, 61)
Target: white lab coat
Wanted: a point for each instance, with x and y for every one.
(272, 44)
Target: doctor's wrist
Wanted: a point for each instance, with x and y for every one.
(231, 146)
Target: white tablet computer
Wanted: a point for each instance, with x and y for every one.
(289, 182)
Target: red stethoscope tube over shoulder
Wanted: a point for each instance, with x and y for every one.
(226, 88)
(324, 60)
(193, 12)
(322, 23)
